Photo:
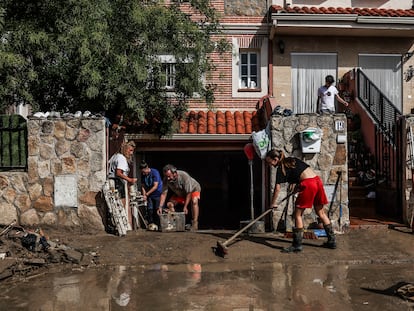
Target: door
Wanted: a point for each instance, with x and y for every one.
(224, 177)
(308, 74)
(384, 70)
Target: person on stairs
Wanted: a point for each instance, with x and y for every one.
(310, 194)
(185, 190)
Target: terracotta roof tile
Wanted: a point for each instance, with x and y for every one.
(340, 10)
(227, 122)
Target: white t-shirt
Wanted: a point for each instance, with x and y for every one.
(118, 161)
(327, 96)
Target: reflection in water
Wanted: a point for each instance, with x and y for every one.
(193, 287)
(122, 282)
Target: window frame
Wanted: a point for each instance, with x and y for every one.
(168, 61)
(169, 72)
(262, 68)
(249, 65)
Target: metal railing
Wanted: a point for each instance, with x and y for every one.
(381, 109)
(13, 143)
(389, 143)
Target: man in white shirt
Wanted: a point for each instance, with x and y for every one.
(326, 96)
(119, 171)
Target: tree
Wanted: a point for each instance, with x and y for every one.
(103, 55)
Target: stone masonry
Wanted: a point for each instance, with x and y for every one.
(58, 148)
(332, 158)
(245, 7)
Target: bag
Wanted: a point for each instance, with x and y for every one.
(29, 241)
(261, 142)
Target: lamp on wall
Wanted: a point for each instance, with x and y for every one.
(409, 73)
(407, 56)
(281, 45)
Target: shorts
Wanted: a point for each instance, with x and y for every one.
(311, 193)
(181, 200)
(326, 111)
(120, 186)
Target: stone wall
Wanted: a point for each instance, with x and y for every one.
(245, 7)
(66, 171)
(331, 159)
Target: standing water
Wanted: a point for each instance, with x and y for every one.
(211, 287)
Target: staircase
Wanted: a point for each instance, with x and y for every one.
(361, 185)
(362, 213)
(376, 119)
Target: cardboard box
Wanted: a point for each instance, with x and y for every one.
(171, 222)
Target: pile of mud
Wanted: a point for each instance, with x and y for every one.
(26, 253)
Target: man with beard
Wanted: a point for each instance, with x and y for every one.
(184, 188)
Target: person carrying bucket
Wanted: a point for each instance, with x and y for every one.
(185, 190)
(311, 194)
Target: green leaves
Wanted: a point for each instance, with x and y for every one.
(99, 55)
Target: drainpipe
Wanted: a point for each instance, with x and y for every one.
(270, 69)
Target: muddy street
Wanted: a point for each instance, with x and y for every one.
(179, 271)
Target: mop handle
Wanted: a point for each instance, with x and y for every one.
(255, 220)
(251, 190)
(247, 226)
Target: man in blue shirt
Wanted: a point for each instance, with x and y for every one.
(151, 182)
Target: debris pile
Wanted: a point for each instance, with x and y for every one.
(26, 253)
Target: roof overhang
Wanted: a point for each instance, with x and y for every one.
(190, 142)
(246, 29)
(341, 25)
(190, 137)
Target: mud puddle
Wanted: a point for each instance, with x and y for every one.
(218, 286)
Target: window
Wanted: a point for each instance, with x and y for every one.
(249, 70)
(13, 143)
(385, 71)
(169, 75)
(307, 75)
(168, 71)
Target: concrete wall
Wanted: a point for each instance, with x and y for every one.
(331, 159)
(66, 171)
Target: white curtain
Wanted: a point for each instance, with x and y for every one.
(384, 70)
(308, 74)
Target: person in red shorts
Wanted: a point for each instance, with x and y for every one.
(185, 190)
(310, 194)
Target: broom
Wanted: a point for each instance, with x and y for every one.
(222, 247)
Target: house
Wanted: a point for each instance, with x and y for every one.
(282, 51)
(280, 55)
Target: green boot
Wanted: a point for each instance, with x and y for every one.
(296, 243)
(331, 243)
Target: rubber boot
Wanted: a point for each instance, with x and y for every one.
(296, 243)
(331, 243)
